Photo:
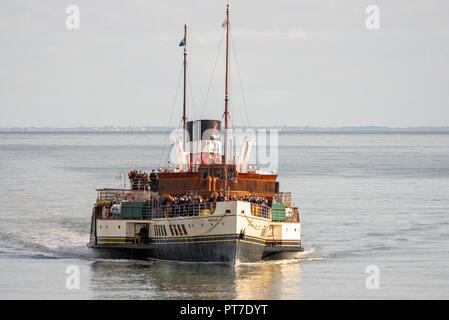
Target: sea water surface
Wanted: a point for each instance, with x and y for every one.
(365, 199)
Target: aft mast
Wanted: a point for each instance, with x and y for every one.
(184, 116)
(226, 113)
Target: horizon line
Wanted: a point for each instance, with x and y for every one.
(163, 129)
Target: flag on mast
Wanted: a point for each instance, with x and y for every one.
(182, 43)
(225, 23)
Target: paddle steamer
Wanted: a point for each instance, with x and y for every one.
(210, 207)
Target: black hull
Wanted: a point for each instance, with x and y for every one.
(287, 247)
(223, 249)
(116, 252)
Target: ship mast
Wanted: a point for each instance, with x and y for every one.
(184, 117)
(226, 114)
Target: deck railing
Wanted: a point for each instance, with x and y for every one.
(118, 195)
(174, 210)
(182, 210)
(162, 211)
(260, 210)
(293, 216)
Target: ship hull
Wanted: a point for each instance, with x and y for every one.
(283, 240)
(286, 251)
(120, 252)
(229, 249)
(230, 235)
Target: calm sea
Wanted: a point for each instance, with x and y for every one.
(377, 201)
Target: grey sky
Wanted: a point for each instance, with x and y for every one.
(301, 62)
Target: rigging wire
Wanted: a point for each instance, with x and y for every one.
(231, 100)
(240, 80)
(171, 117)
(191, 93)
(213, 72)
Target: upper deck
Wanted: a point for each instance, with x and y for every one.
(209, 178)
(151, 205)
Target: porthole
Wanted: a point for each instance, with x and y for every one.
(119, 226)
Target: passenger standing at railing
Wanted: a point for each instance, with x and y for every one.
(197, 204)
(174, 205)
(154, 180)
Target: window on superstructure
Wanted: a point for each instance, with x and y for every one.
(218, 173)
(206, 172)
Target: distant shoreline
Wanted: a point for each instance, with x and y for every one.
(282, 129)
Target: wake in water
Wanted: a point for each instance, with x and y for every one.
(287, 258)
(54, 243)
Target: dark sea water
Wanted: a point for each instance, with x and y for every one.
(378, 199)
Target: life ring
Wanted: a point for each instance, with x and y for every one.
(129, 196)
(168, 197)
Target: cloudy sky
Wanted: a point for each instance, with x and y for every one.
(301, 62)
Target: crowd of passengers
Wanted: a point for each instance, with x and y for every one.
(195, 199)
(144, 181)
(193, 204)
